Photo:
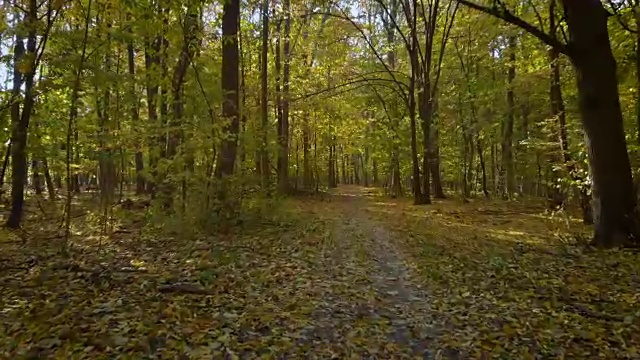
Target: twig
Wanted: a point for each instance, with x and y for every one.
(183, 288)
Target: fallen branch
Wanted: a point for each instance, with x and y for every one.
(184, 288)
(584, 311)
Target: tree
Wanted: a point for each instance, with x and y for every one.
(230, 88)
(264, 169)
(616, 220)
(25, 65)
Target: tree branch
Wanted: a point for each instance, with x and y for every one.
(618, 16)
(538, 16)
(504, 14)
(368, 81)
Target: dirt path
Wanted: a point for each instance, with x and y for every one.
(323, 282)
(338, 276)
(395, 306)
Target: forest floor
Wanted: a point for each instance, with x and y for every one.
(345, 275)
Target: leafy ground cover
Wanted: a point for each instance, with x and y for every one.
(509, 281)
(350, 275)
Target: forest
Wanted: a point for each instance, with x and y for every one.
(321, 179)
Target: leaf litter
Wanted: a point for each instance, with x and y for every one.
(341, 276)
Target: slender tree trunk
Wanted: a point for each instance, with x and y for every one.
(483, 167)
(418, 197)
(636, 11)
(264, 168)
(189, 44)
(73, 180)
(364, 160)
(284, 146)
(106, 171)
(332, 168)
(344, 167)
(428, 77)
(18, 54)
(315, 159)
(152, 62)
(507, 168)
(135, 117)
(472, 162)
(283, 181)
(297, 164)
(555, 193)
(494, 168)
(395, 176)
(20, 128)
(307, 177)
(374, 165)
(426, 113)
(434, 151)
(330, 174)
(37, 178)
(47, 179)
(3, 171)
(243, 103)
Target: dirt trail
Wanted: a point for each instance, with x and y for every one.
(363, 249)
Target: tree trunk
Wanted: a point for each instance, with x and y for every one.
(21, 123)
(472, 162)
(286, 51)
(283, 166)
(264, 168)
(3, 171)
(507, 168)
(344, 168)
(152, 61)
(636, 11)
(426, 115)
(47, 179)
(107, 177)
(37, 178)
(135, 118)
(494, 168)
(615, 216)
(332, 168)
(58, 181)
(558, 112)
(189, 44)
(364, 160)
(330, 175)
(307, 176)
(418, 196)
(315, 159)
(243, 103)
(374, 165)
(485, 191)
(230, 87)
(336, 176)
(434, 155)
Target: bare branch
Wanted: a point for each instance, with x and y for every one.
(445, 37)
(618, 16)
(394, 23)
(343, 16)
(368, 81)
(538, 16)
(504, 14)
